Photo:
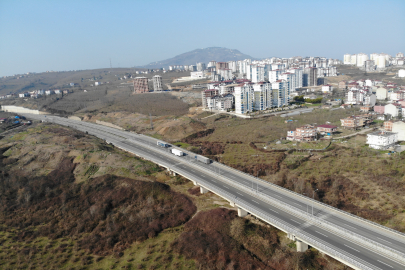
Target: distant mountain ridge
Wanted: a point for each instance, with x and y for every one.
(206, 55)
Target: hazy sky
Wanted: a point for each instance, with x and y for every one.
(82, 34)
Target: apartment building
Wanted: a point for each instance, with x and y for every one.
(244, 98)
(382, 139)
(222, 103)
(310, 77)
(262, 96)
(157, 83)
(141, 85)
(305, 133)
(208, 94)
(355, 121)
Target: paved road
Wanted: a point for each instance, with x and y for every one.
(259, 195)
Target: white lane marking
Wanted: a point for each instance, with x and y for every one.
(385, 263)
(351, 226)
(351, 247)
(322, 234)
(226, 187)
(240, 193)
(277, 195)
(192, 170)
(384, 240)
(273, 211)
(255, 201)
(298, 204)
(295, 221)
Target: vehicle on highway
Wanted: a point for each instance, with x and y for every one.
(162, 144)
(203, 159)
(177, 152)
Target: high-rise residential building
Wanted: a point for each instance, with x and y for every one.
(141, 85)
(200, 66)
(225, 74)
(157, 83)
(274, 75)
(262, 96)
(257, 73)
(244, 98)
(360, 59)
(280, 94)
(310, 77)
(222, 65)
(290, 78)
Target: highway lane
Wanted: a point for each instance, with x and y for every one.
(351, 248)
(363, 229)
(110, 134)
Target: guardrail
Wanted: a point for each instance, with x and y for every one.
(289, 208)
(309, 239)
(384, 249)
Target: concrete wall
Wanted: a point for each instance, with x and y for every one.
(108, 124)
(17, 109)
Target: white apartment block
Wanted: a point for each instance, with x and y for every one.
(257, 73)
(361, 58)
(225, 74)
(157, 83)
(244, 98)
(290, 78)
(274, 75)
(262, 96)
(280, 94)
(381, 139)
(399, 128)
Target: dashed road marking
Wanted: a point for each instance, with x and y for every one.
(273, 211)
(240, 193)
(255, 201)
(295, 221)
(385, 263)
(322, 234)
(351, 226)
(384, 240)
(351, 248)
(226, 187)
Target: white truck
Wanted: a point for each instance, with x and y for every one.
(177, 152)
(203, 159)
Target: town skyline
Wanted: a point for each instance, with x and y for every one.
(72, 36)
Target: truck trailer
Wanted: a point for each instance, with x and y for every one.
(177, 152)
(162, 144)
(203, 159)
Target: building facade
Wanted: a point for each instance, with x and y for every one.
(381, 139)
(141, 85)
(157, 83)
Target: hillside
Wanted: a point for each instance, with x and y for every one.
(70, 201)
(200, 55)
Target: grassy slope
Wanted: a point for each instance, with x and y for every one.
(38, 150)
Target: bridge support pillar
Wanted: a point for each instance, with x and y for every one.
(195, 183)
(242, 213)
(173, 173)
(203, 190)
(232, 204)
(301, 246)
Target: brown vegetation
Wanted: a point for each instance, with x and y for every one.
(110, 212)
(218, 239)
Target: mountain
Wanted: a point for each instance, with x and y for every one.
(200, 55)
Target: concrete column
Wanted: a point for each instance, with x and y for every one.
(290, 236)
(232, 204)
(301, 246)
(195, 183)
(242, 213)
(173, 173)
(203, 190)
